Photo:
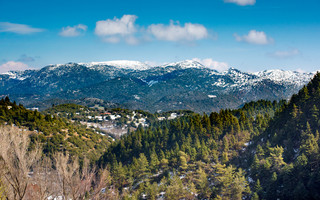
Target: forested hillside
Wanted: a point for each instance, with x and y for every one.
(264, 150)
(55, 133)
(190, 157)
(285, 158)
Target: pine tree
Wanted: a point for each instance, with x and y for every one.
(257, 187)
(256, 163)
(202, 182)
(151, 190)
(225, 157)
(175, 189)
(310, 145)
(255, 196)
(304, 94)
(276, 157)
(295, 111)
(315, 113)
(183, 161)
(233, 184)
(274, 177)
(141, 166)
(239, 185)
(164, 163)
(119, 174)
(154, 162)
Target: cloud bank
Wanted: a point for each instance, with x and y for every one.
(285, 54)
(241, 2)
(13, 66)
(18, 28)
(212, 64)
(125, 29)
(176, 32)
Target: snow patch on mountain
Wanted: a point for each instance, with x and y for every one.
(18, 75)
(185, 64)
(278, 76)
(121, 64)
(57, 66)
(152, 82)
(136, 97)
(234, 78)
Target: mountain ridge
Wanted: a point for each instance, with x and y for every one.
(181, 85)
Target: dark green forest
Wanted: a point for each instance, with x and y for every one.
(263, 150)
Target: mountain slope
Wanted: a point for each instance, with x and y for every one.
(286, 156)
(234, 154)
(136, 85)
(54, 133)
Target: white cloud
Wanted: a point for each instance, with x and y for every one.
(18, 28)
(285, 54)
(241, 2)
(114, 30)
(13, 66)
(254, 37)
(125, 29)
(73, 31)
(153, 63)
(176, 32)
(212, 64)
(300, 70)
(115, 26)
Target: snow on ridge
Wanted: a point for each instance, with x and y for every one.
(278, 75)
(186, 64)
(247, 79)
(121, 64)
(15, 75)
(238, 78)
(52, 67)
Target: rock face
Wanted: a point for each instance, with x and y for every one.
(136, 85)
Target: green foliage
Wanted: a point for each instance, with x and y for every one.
(288, 167)
(276, 142)
(187, 146)
(55, 133)
(233, 184)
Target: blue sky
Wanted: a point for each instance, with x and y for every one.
(250, 35)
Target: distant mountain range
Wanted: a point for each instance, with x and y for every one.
(136, 85)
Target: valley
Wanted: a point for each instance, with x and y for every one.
(159, 100)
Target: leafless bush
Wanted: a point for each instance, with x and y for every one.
(27, 174)
(16, 161)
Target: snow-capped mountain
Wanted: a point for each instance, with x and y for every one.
(241, 79)
(181, 85)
